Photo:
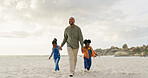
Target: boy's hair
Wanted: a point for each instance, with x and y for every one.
(54, 41)
(87, 41)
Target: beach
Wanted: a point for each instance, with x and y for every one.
(102, 67)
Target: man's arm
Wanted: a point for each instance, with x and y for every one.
(65, 39)
(81, 38)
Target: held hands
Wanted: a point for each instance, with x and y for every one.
(60, 48)
(82, 49)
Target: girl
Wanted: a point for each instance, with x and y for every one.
(88, 53)
(55, 51)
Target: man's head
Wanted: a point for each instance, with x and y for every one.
(71, 21)
(87, 43)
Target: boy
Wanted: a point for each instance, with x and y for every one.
(88, 53)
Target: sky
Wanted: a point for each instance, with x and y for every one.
(27, 27)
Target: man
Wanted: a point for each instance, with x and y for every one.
(72, 35)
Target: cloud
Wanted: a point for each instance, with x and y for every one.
(111, 19)
(28, 15)
(51, 11)
(14, 34)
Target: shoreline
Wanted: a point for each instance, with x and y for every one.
(62, 56)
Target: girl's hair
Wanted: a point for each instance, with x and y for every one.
(87, 41)
(54, 41)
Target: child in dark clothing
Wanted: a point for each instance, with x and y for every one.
(88, 53)
(55, 51)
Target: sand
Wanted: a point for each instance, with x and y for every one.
(103, 67)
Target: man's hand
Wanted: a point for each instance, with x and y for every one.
(60, 48)
(82, 49)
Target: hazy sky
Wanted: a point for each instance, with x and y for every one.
(29, 26)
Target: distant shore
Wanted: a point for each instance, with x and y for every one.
(124, 51)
